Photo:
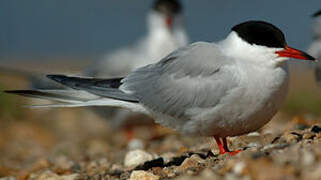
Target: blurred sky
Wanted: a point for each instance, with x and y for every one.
(91, 28)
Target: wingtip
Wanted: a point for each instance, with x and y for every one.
(10, 91)
(16, 91)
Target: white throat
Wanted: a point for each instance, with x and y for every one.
(161, 39)
(237, 48)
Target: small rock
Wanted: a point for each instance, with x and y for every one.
(292, 138)
(142, 175)
(238, 168)
(136, 157)
(62, 162)
(48, 175)
(308, 135)
(191, 162)
(8, 178)
(316, 129)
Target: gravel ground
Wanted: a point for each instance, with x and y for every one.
(75, 144)
(70, 144)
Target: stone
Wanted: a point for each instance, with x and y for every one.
(308, 135)
(8, 178)
(143, 175)
(316, 129)
(238, 168)
(136, 157)
(49, 175)
(192, 162)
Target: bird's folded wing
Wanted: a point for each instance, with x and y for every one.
(196, 76)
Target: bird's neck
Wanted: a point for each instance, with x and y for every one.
(159, 31)
(160, 39)
(243, 52)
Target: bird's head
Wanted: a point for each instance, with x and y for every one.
(168, 11)
(262, 40)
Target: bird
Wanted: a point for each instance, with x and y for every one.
(165, 33)
(315, 47)
(223, 89)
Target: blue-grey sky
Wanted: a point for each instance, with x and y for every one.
(90, 28)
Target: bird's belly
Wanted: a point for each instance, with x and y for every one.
(243, 111)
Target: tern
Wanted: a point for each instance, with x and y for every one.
(315, 47)
(165, 33)
(222, 89)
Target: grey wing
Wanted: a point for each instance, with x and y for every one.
(196, 76)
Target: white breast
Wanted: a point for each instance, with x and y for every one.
(247, 108)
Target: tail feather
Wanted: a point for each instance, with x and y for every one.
(74, 98)
(66, 96)
(102, 87)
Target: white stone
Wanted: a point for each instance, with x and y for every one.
(143, 175)
(239, 168)
(136, 157)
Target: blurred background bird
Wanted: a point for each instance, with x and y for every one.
(165, 33)
(315, 47)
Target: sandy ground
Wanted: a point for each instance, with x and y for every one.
(68, 144)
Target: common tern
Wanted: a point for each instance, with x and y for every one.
(166, 32)
(315, 47)
(222, 89)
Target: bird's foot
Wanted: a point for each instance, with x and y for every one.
(232, 153)
(223, 147)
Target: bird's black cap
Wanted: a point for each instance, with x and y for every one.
(316, 14)
(168, 7)
(261, 33)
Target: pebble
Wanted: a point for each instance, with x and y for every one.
(308, 135)
(191, 162)
(316, 129)
(207, 174)
(291, 138)
(48, 175)
(143, 175)
(136, 157)
(8, 178)
(62, 162)
(238, 168)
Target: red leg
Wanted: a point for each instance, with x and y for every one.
(220, 145)
(129, 134)
(227, 150)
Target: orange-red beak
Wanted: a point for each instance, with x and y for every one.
(294, 53)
